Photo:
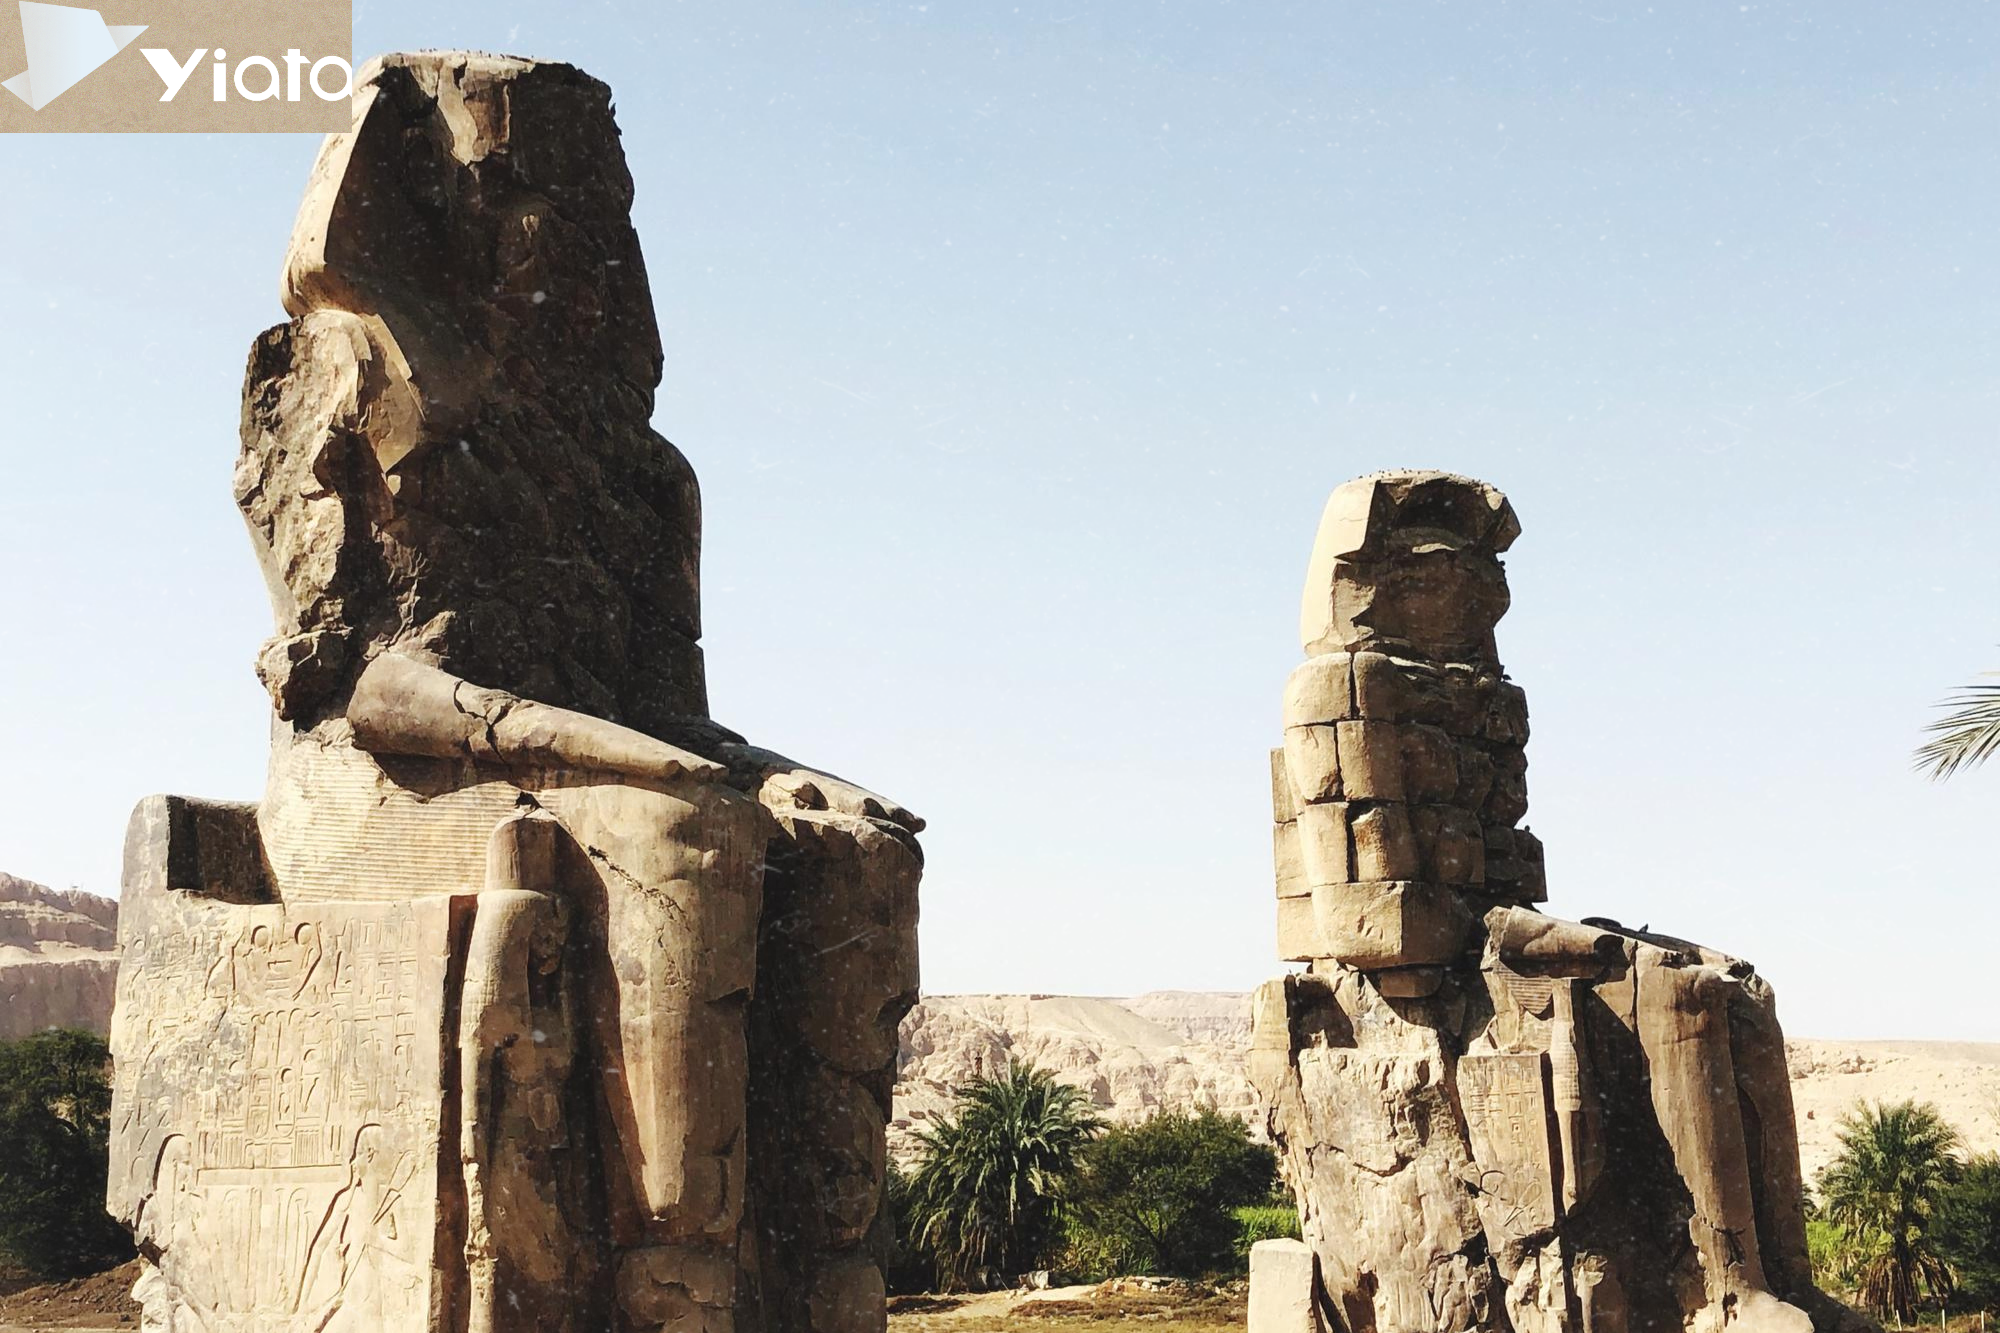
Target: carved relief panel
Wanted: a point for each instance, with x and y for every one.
(279, 1106)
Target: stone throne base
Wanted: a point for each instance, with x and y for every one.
(396, 1114)
(1521, 1149)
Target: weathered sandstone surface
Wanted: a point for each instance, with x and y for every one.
(58, 958)
(1136, 1055)
(1492, 1118)
(529, 997)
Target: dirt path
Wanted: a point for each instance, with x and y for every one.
(102, 1304)
(1066, 1310)
(94, 1304)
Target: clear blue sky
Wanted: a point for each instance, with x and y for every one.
(1017, 348)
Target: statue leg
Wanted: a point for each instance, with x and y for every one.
(837, 970)
(670, 900)
(1764, 1087)
(1684, 1030)
(514, 1062)
(1361, 1109)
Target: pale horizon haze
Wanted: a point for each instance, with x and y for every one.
(1017, 349)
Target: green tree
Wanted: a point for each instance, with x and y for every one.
(1968, 733)
(1164, 1192)
(990, 1193)
(55, 1134)
(1883, 1187)
(1967, 1228)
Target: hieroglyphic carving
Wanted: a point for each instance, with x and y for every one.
(1507, 1117)
(278, 1103)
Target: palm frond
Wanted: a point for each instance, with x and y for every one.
(1967, 734)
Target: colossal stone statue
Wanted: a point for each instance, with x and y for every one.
(528, 997)
(1491, 1119)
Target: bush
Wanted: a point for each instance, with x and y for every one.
(1839, 1255)
(1088, 1255)
(1264, 1221)
(55, 1146)
(1161, 1196)
(1967, 1230)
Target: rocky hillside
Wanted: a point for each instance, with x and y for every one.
(58, 958)
(1185, 1048)
(1133, 1056)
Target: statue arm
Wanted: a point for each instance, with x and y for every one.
(402, 706)
(782, 782)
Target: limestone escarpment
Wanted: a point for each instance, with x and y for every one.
(1169, 1050)
(58, 958)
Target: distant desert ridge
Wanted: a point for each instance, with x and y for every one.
(1137, 1054)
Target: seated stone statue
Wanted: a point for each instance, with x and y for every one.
(1492, 1119)
(528, 997)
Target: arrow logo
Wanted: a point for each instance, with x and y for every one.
(64, 45)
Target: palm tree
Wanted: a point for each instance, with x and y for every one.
(991, 1189)
(1883, 1187)
(1966, 735)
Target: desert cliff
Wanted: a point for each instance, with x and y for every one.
(58, 958)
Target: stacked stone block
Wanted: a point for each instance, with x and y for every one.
(1403, 774)
(1491, 1119)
